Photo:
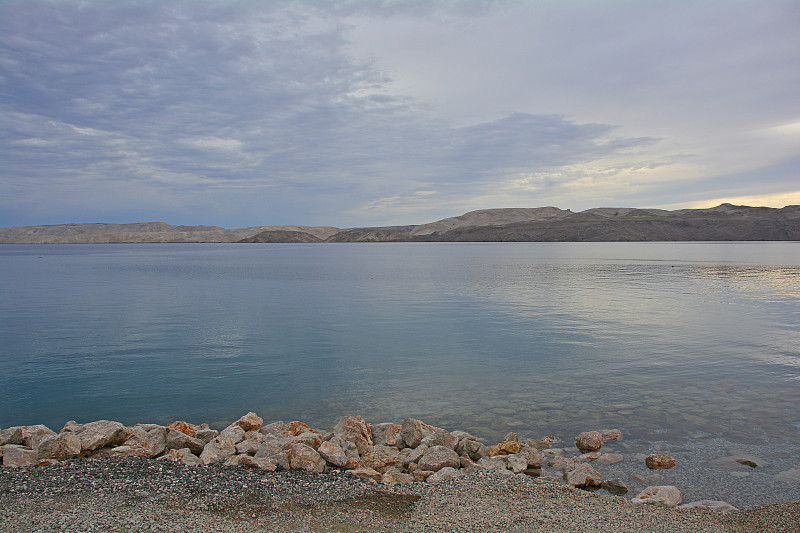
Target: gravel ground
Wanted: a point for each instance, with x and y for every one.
(131, 494)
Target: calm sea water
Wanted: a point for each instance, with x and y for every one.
(668, 341)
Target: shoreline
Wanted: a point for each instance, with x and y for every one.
(415, 452)
(137, 494)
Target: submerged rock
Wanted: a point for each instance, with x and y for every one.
(715, 505)
(583, 475)
(589, 440)
(659, 461)
(666, 495)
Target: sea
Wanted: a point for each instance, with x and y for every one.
(691, 348)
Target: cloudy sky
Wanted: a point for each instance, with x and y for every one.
(355, 113)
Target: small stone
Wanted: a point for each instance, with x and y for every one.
(668, 496)
(661, 461)
(589, 440)
(511, 437)
(615, 486)
(611, 434)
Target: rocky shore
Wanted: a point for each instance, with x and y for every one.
(251, 476)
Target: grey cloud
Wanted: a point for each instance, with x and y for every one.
(213, 111)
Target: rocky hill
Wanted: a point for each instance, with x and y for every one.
(725, 222)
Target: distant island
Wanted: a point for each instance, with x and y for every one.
(725, 222)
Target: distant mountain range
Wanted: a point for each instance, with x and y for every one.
(725, 222)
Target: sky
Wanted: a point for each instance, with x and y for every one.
(371, 113)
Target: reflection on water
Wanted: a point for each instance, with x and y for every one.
(683, 339)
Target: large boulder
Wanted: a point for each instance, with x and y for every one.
(356, 430)
(333, 453)
(666, 495)
(11, 436)
(100, 434)
(176, 440)
(15, 455)
(183, 456)
(441, 437)
(589, 440)
(304, 457)
(385, 434)
(474, 449)
(381, 458)
(234, 432)
(250, 422)
(33, 435)
(60, 447)
(438, 457)
(184, 427)
(148, 443)
(218, 450)
(413, 431)
(507, 447)
(445, 474)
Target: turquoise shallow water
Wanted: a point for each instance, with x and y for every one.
(674, 342)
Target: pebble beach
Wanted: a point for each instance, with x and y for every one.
(251, 476)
